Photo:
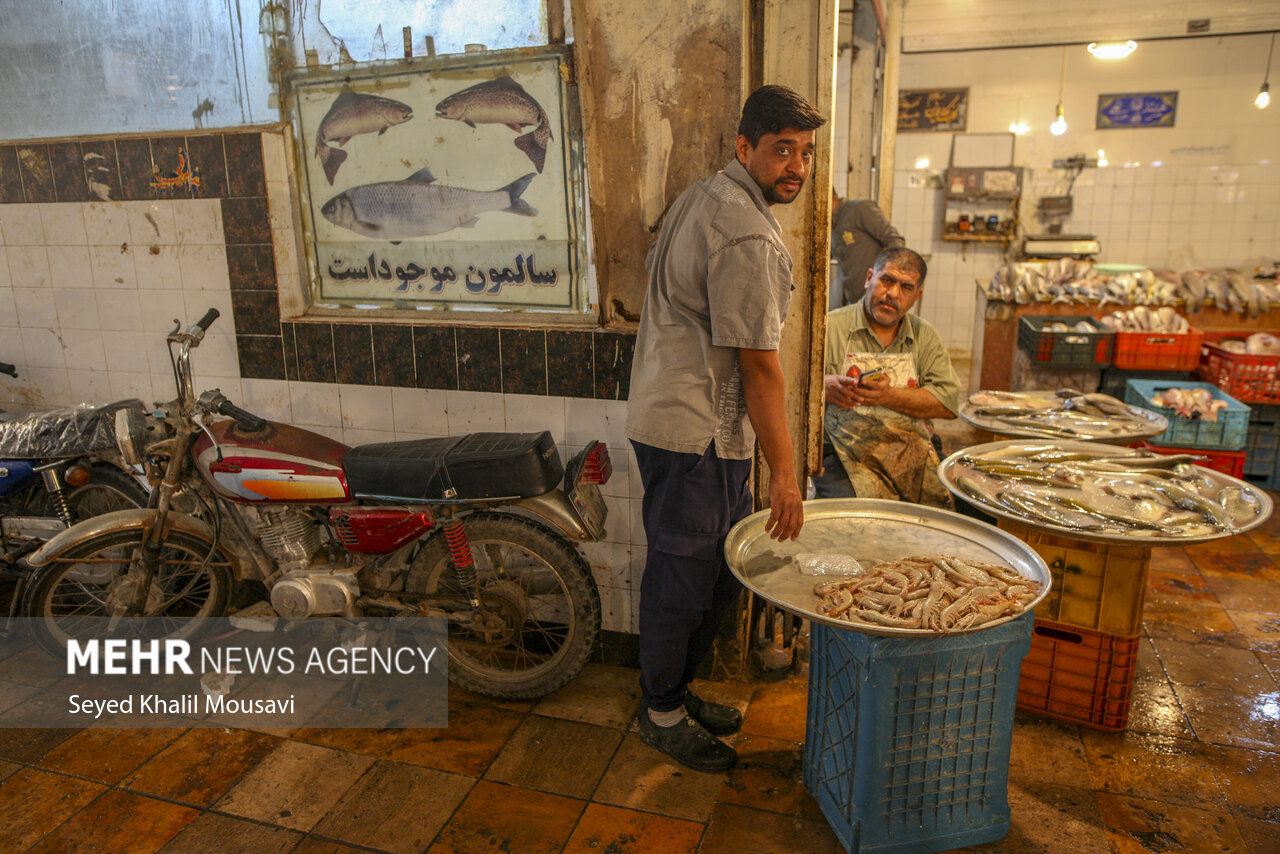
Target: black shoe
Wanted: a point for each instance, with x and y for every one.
(718, 719)
(687, 743)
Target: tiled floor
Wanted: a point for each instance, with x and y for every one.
(1198, 770)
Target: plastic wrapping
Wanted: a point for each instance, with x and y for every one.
(829, 564)
(66, 432)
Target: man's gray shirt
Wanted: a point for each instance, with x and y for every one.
(719, 279)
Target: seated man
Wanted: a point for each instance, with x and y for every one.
(887, 372)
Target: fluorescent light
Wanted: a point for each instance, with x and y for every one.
(922, 163)
(1112, 50)
(1019, 128)
(1059, 126)
(1102, 157)
(1264, 97)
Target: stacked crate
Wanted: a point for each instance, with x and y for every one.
(1084, 646)
(1253, 379)
(1057, 360)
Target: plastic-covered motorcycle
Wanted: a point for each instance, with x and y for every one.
(58, 467)
(475, 529)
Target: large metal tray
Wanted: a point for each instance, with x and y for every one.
(946, 470)
(870, 530)
(1153, 424)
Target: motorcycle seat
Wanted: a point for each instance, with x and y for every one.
(474, 467)
(67, 432)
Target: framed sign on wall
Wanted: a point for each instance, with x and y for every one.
(933, 109)
(1137, 110)
(453, 182)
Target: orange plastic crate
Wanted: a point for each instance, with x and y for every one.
(1227, 462)
(1247, 377)
(1076, 675)
(1157, 351)
(1095, 586)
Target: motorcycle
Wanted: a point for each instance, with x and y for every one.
(475, 529)
(58, 468)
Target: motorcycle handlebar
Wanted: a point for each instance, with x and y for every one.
(209, 317)
(245, 419)
(6, 368)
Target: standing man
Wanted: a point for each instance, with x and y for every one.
(859, 232)
(706, 355)
(886, 373)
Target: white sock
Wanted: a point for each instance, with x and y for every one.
(667, 719)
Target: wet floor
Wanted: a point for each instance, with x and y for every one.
(1197, 770)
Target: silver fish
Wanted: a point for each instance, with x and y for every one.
(502, 101)
(418, 206)
(350, 114)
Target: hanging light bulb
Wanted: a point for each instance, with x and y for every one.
(1059, 126)
(1264, 94)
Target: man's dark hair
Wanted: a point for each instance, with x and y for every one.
(903, 258)
(770, 109)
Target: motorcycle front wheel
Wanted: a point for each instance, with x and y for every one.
(539, 608)
(71, 596)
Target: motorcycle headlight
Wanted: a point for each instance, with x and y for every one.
(131, 435)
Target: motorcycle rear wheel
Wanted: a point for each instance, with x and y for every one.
(536, 585)
(68, 597)
(108, 489)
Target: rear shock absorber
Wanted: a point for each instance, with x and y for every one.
(57, 489)
(464, 568)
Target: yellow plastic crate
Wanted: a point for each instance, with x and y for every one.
(1096, 586)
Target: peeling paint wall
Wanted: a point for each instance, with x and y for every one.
(661, 93)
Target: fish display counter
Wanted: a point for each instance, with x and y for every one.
(909, 730)
(1061, 414)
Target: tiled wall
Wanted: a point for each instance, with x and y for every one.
(89, 287)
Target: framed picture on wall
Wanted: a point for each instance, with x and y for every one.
(452, 182)
(933, 109)
(1137, 110)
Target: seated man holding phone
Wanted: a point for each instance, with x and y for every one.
(886, 373)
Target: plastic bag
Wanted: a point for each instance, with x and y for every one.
(829, 564)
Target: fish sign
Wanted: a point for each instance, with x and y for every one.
(352, 114)
(418, 206)
(502, 101)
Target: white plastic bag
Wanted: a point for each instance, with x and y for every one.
(829, 564)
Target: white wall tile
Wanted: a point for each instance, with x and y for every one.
(316, 404)
(35, 308)
(267, 398)
(474, 411)
(366, 407)
(216, 356)
(419, 410)
(85, 386)
(151, 223)
(49, 387)
(112, 267)
(529, 413)
(5, 281)
(106, 223)
(42, 348)
(69, 267)
(198, 302)
(22, 225)
(63, 224)
(198, 222)
(203, 268)
(124, 354)
(157, 267)
(8, 311)
(352, 436)
(125, 384)
(28, 266)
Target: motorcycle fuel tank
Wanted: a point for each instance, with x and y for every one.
(276, 465)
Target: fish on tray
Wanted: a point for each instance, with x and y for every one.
(1135, 493)
(1070, 414)
(350, 114)
(418, 206)
(941, 593)
(502, 101)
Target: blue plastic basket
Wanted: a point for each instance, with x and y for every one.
(908, 739)
(1226, 434)
(1262, 448)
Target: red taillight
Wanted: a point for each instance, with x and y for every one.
(598, 466)
(77, 475)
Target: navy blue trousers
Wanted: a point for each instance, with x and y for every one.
(690, 503)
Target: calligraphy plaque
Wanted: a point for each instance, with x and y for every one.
(933, 109)
(1137, 110)
(449, 182)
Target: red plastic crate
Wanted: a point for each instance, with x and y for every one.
(1076, 675)
(1247, 377)
(1227, 462)
(1157, 351)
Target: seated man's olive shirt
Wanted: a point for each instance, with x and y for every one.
(887, 454)
(719, 279)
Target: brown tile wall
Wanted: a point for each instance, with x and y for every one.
(228, 166)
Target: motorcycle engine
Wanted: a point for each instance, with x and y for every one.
(314, 592)
(289, 535)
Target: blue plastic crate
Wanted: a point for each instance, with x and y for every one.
(1262, 447)
(908, 739)
(1225, 434)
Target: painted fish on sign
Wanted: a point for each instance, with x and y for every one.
(502, 101)
(350, 114)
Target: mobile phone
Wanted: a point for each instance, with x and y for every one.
(870, 375)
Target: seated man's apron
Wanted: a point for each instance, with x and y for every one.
(884, 453)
